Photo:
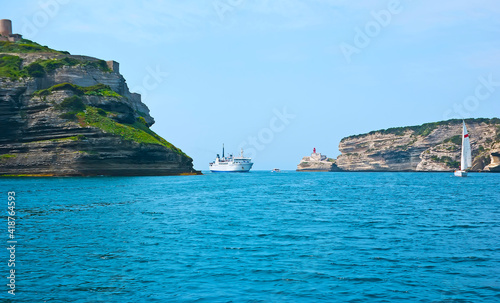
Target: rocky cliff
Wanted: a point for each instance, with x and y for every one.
(428, 147)
(317, 163)
(65, 115)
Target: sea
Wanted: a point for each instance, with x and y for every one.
(252, 237)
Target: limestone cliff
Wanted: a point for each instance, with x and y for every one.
(429, 147)
(65, 115)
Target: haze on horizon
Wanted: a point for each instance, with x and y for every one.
(281, 77)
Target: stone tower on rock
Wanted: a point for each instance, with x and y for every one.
(6, 31)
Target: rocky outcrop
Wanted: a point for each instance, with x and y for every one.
(77, 117)
(317, 163)
(429, 147)
(494, 166)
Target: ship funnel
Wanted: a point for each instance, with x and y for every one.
(222, 150)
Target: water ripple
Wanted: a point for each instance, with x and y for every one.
(258, 237)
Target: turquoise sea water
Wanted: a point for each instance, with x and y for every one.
(256, 237)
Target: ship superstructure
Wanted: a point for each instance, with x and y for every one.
(230, 163)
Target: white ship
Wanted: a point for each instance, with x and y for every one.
(231, 164)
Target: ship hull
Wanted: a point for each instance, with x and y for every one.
(234, 168)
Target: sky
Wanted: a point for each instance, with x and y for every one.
(278, 78)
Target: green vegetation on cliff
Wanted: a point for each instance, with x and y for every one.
(457, 140)
(73, 103)
(74, 109)
(446, 160)
(41, 67)
(51, 65)
(11, 66)
(7, 156)
(71, 106)
(425, 129)
(100, 89)
(137, 132)
(25, 46)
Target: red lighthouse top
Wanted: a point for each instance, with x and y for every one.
(314, 150)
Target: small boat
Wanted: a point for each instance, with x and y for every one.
(466, 158)
(276, 170)
(231, 164)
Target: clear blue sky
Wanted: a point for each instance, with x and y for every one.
(281, 77)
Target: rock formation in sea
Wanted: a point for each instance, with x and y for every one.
(317, 163)
(428, 147)
(66, 115)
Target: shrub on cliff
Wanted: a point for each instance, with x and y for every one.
(94, 90)
(99, 64)
(59, 87)
(448, 161)
(50, 65)
(73, 103)
(142, 121)
(72, 106)
(35, 70)
(10, 67)
(68, 116)
(53, 64)
(99, 90)
(455, 140)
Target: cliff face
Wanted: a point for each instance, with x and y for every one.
(64, 115)
(429, 147)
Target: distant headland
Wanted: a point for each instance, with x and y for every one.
(430, 147)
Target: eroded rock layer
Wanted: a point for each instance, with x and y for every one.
(429, 147)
